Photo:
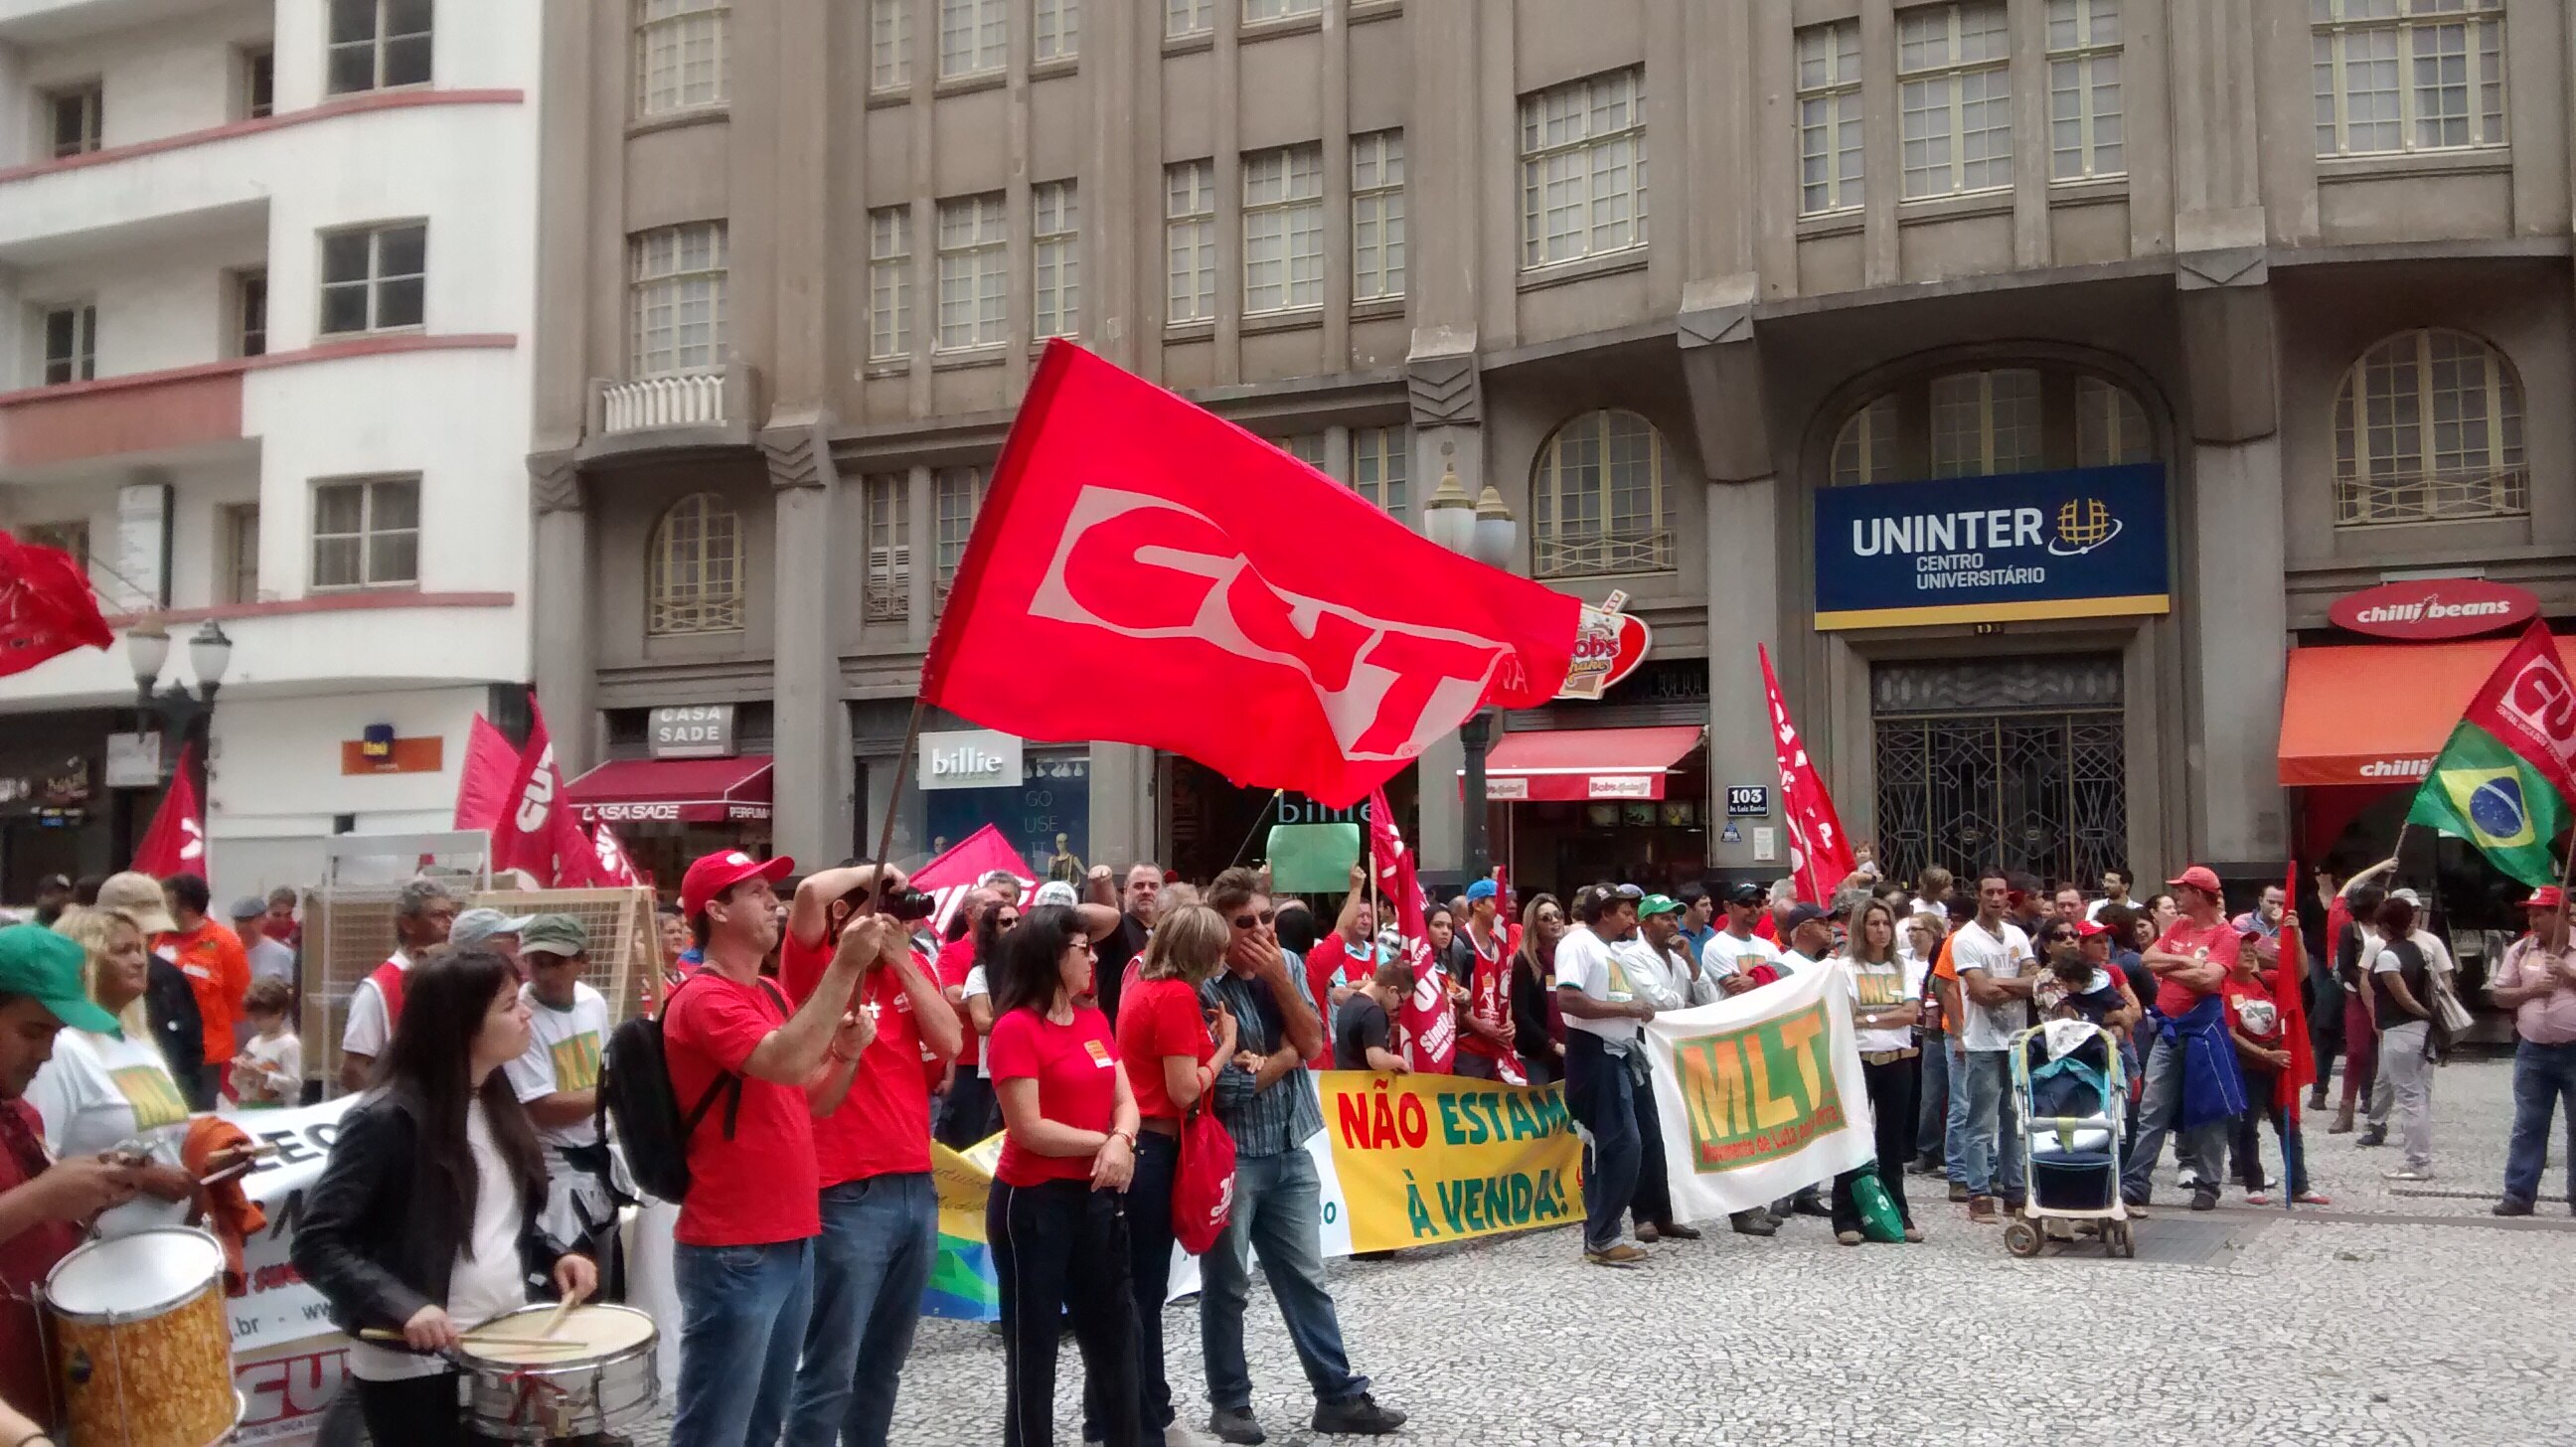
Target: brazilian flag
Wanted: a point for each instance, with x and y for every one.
(2483, 792)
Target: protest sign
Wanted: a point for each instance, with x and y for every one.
(1760, 1094)
(1425, 1158)
(287, 1357)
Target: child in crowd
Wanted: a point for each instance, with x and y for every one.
(1363, 1026)
(2262, 1049)
(269, 1071)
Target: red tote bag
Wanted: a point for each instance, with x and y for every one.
(1203, 1186)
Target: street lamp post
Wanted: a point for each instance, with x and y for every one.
(1483, 529)
(184, 717)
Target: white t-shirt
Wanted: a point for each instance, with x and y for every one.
(1793, 963)
(370, 1025)
(1585, 962)
(1725, 955)
(281, 1066)
(1658, 981)
(270, 960)
(1885, 987)
(2002, 957)
(562, 1055)
(103, 1091)
(486, 1279)
(975, 985)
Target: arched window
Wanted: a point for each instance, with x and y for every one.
(693, 580)
(1600, 500)
(2110, 426)
(2428, 428)
(1986, 422)
(1990, 421)
(1866, 449)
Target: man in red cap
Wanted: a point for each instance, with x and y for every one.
(2537, 981)
(2192, 1082)
(743, 1262)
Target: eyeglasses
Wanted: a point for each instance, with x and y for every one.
(1549, 916)
(1247, 921)
(1006, 921)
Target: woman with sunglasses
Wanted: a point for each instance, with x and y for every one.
(979, 1114)
(1537, 1029)
(1057, 1217)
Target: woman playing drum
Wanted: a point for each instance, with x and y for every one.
(110, 1090)
(424, 1222)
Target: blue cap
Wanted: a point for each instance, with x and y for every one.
(1482, 889)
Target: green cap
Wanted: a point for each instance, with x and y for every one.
(1655, 904)
(37, 962)
(554, 934)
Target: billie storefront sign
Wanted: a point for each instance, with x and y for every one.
(2087, 543)
(2429, 609)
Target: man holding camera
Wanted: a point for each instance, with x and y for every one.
(880, 1212)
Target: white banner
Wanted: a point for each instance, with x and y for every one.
(275, 1305)
(1760, 1094)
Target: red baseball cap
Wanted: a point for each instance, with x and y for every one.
(2088, 928)
(2199, 876)
(713, 874)
(2546, 896)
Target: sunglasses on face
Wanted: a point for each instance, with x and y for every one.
(1550, 916)
(1006, 921)
(1249, 921)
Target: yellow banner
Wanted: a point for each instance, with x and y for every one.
(1426, 1158)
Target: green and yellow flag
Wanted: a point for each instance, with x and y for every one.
(2502, 781)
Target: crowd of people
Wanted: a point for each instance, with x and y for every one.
(813, 1045)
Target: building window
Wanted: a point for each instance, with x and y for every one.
(1984, 423)
(1955, 98)
(956, 493)
(2110, 427)
(1256, 11)
(70, 538)
(676, 299)
(255, 72)
(1055, 29)
(680, 60)
(2428, 428)
(1865, 450)
(890, 44)
(71, 344)
(1283, 229)
(1380, 459)
(974, 37)
(1055, 258)
(2084, 89)
(250, 313)
(1599, 500)
(889, 282)
(889, 583)
(1377, 216)
(76, 118)
(366, 534)
(1583, 168)
(1829, 118)
(378, 44)
(694, 578)
(373, 278)
(2407, 75)
(974, 261)
(1188, 17)
(1306, 447)
(1189, 240)
(238, 570)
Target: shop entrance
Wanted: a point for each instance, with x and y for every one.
(2017, 762)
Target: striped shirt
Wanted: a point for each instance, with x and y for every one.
(1263, 1122)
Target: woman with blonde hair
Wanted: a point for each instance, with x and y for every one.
(1538, 1028)
(1887, 990)
(105, 1090)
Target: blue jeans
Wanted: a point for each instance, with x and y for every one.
(880, 1236)
(1994, 1124)
(2544, 1079)
(1278, 1211)
(2204, 1148)
(1934, 1105)
(742, 1320)
(1954, 1128)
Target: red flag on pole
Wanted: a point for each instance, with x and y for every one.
(46, 606)
(536, 834)
(1429, 1027)
(2529, 704)
(491, 766)
(1819, 856)
(176, 841)
(2293, 1006)
(1258, 616)
(613, 868)
(964, 864)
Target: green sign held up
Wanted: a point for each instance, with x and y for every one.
(1313, 858)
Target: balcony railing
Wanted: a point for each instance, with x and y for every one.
(713, 407)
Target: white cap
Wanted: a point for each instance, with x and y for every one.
(1055, 891)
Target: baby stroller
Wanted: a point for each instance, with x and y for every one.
(2073, 1094)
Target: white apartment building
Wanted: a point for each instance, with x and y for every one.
(266, 299)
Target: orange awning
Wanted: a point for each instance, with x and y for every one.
(2377, 713)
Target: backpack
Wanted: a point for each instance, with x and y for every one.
(635, 1093)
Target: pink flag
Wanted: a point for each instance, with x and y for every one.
(490, 767)
(614, 870)
(1819, 856)
(1429, 1027)
(176, 842)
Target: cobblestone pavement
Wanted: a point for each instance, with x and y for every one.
(2401, 1314)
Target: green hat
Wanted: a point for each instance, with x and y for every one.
(37, 962)
(1655, 904)
(554, 934)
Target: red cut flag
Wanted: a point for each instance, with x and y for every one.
(964, 865)
(46, 606)
(176, 841)
(535, 833)
(613, 869)
(2529, 704)
(1148, 573)
(1819, 856)
(491, 766)
(1428, 1028)
(2293, 1007)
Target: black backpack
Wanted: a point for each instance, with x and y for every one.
(635, 1092)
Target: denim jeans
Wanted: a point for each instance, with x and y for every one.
(970, 1113)
(1278, 1211)
(1954, 1127)
(2203, 1149)
(1652, 1202)
(1603, 1099)
(2544, 1081)
(742, 1321)
(2259, 1088)
(1994, 1127)
(1935, 1102)
(880, 1237)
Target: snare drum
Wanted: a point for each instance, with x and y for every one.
(141, 1345)
(596, 1375)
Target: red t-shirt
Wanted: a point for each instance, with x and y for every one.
(1076, 1068)
(956, 960)
(882, 1127)
(27, 1379)
(1157, 1018)
(2253, 1011)
(758, 1188)
(2175, 1000)
(1331, 963)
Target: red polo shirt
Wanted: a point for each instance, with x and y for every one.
(882, 1127)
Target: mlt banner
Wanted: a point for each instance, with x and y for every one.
(1760, 1094)
(2088, 543)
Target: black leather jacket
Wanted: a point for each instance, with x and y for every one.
(368, 1239)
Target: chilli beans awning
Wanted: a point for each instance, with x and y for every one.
(2377, 713)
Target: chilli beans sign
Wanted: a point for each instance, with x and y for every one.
(2430, 609)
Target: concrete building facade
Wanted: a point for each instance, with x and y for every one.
(1668, 274)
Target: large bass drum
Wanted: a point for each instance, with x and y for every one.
(595, 1375)
(141, 1346)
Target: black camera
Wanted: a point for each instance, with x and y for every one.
(903, 902)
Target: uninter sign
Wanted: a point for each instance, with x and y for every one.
(2083, 544)
(970, 759)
